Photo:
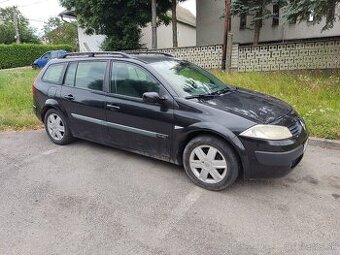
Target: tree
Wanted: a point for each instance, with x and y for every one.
(259, 11)
(121, 21)
(7, 27)
(57, 31)
(174, 21)
(300, 10)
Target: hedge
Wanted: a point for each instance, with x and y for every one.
(17, 55)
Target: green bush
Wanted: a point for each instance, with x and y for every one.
(17, 55)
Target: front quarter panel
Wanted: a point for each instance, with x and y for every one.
(192, 119)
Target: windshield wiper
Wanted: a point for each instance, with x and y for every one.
(200, 96)
(222, 91)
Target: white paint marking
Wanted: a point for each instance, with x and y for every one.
(49, 152)
(176, 215)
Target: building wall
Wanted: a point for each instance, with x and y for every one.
(210, 27)
(89, 42)
(186, 36)
(209, 24)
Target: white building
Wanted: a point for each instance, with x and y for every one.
(186, 29)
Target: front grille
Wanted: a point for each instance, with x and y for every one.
(295, 128)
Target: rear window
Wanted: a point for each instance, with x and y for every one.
(54, 73)
(90, 75)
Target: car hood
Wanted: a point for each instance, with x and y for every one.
(252, 105)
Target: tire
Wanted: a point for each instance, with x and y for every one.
(210, 163)
(57, 127)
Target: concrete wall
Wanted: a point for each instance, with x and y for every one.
(186, 36)
(210, 27)
(313, 54)
(287, 56)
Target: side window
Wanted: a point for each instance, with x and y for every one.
(90, 75)
(131, 80)
(70, 74)
(54, 73)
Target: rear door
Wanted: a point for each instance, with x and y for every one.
(133, 124)
(83, 98)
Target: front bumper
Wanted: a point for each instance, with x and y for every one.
(276, 158)
(268, 159)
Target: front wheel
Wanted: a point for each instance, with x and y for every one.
(210, 163)
(57, 127)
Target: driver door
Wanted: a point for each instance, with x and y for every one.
(133, 124)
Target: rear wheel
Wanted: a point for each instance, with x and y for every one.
(210, 163)
(57, 127)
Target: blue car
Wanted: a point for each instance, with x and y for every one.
(42, 61)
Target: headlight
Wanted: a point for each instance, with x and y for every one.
(267, 132)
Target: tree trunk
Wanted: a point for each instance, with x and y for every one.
(174, 24)
(226, 31)
(154, 24)
(257, 30)
(258, 26)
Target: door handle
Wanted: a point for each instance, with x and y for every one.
(69, 97)
(113, 107)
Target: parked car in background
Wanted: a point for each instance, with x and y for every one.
(43, 60)
(170, 109)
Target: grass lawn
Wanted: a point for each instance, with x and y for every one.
(315, 95)
(16, 99)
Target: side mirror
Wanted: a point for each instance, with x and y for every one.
(152, 98)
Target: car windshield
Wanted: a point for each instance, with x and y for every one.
(187, 79)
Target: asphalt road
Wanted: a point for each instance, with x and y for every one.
(90, 199)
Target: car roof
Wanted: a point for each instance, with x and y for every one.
(145, 57)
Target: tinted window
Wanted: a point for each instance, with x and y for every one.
(70, 74)
(54, 73)
(130, 80)
(90, 75)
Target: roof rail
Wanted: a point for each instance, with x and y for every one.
(94, 54)
(151, 53)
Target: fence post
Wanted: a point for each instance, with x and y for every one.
(229, 51)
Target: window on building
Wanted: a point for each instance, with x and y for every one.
(311, 17)
(243, 21)
(276, 15)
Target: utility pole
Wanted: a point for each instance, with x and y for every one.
(16, 25)
(154, 24)
(226, 32)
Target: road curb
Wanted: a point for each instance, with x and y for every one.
(325, 143)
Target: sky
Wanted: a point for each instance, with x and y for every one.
(39, 11)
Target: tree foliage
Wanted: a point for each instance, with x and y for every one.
(7, 30)
(258, 10)
(300, 10)
(57, 31)
(120, 20)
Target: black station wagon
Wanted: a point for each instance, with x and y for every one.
(169, 109)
